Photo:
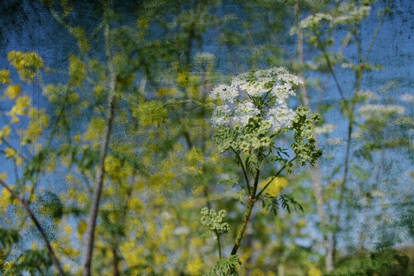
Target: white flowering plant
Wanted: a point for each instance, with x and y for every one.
(250, 116)
(253, 110)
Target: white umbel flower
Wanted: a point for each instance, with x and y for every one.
(239, 98)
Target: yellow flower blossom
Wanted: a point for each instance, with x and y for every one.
(5, 132)
(20, 108)
(314, 271)
(302, 223)
(135, 204)
(77, 71)
(142, 23)
(36, 126)
(10, 153)
(77, 138)
(195, 266)
(95, 129)
(163, 92)
(5, 77)
(98, 90)
(182, 78)
(26, 64)
(82, 227)
(275, 187)
(4, 200)
(257, 272)
(12, 91)
(3, 176)
(68, 229)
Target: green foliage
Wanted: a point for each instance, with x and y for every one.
(304, 145)
(226, 267)
(387, 263)
(31, 261)
(286, 202)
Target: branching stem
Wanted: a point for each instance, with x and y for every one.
(39, 227)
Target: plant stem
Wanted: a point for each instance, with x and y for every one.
(247, 213)
(38, 226)
(218, 244)
(103, 152)
(243, 169)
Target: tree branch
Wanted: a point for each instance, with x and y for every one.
(38, 226)
(104, 150)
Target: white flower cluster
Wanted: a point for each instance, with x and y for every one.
(345, 14)
(376, 110)
(325, 129)
(408, 98)
(314, 20)
(239, 99)
(369, 95)
(351, 14)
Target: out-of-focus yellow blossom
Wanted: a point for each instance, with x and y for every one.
(257, 272)
(26, 64)
(132, 253)
(73, 98)
(116, 170)
(77, 71)
(302, 223)
(18, 160)
(39, 122)
(195, 160)
(98, 90)
(195, 266)
(77, 138)
(82, 227)
(162, 180)
(12, 91)
(275, 187)
(139, 185)
(68, 229)
(135, 204)
(142, 23)
(197, 242)
(163, 92)
(314, 271)
(95, 129)
(5, 77)
(160, 259)
(67, 268)
(10, 153)
(182, 78)
(112, 165)
(5, 132)
(20, 108)
(3, 176)
(150, 113)
(4, 200)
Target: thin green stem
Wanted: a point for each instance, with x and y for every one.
(218, 244)
(244, 170)
(276, 175)
(247, 213)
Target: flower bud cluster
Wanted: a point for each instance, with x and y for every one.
(214, 220)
